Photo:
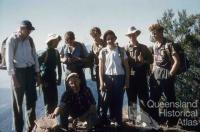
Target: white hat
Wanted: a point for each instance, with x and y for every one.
(52, 37)
(132, 30)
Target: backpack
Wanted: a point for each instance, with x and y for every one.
(42, 59)
(184, 62)
(3, 64)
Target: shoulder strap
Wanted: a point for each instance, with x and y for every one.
(121, 53)
(104, 52)
(31, 42)
(46, 56)
(15, 46)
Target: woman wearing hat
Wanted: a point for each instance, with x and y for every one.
(78, 102)
(139, 58)
(49, 60)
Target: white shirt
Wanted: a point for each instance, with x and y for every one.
(113, 62)
(25, 55)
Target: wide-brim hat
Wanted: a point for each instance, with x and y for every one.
(27, 24)
(52, 37)
(133, 30)
(73, 74)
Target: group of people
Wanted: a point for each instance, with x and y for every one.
(116, 69)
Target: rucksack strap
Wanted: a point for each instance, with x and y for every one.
(120, 52)
(31, 44)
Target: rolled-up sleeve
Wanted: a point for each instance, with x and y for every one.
(10, 55)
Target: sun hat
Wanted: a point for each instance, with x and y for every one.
(27, 24)
(132, 30)
(52, 37)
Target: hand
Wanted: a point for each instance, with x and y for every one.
(140, 58)
(171, 74)
(15, 81)
(126, 85)
(63, 60)
(102, 87)
(38, 80)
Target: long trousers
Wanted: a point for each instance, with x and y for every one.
(26, 78)
(157, 89)
(50, 92)
(137, 88)
(114, 97)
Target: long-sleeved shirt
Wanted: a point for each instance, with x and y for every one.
(77, 104)
(20, 54)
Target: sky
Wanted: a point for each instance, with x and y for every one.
(79, 16)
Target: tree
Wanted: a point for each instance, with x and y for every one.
(184, 29)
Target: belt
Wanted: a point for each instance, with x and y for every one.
(28, 67)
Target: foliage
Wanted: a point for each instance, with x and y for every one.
(184, 29)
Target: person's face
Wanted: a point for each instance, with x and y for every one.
(157, 35)
(110, 39)
(74, 84)
(25, 32)
(69, 40)
(133, 37)
(54, 43)
(95, 35)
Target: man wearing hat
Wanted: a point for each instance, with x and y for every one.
(139, 58)
(49, 62)
(23, 67)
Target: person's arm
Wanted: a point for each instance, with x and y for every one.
(10, 44)
(37, 69)
(59, 68)
(91, 55)
(101, 71)
(10, 55)
(175, 59)
(127, 71)
(175, 65)
(55, 113)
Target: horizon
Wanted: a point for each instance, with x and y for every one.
(80, 16)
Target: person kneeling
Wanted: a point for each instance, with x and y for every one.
(77, 102)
